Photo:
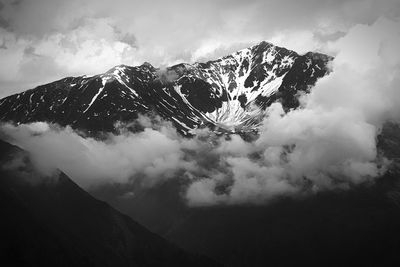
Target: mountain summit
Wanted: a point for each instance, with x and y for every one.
(227, 94)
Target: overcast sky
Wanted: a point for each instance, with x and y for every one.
(45, 40)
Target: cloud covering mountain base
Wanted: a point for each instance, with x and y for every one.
(327, 143)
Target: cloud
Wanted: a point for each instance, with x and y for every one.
(30, 61)
(76, 36)
(152, 153)
(328, 143)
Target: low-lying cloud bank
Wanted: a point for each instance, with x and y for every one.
(329, 143)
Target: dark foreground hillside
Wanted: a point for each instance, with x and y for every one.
(53, 222)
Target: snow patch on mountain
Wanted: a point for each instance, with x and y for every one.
(231, 92)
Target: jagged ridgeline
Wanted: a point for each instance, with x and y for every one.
(228, 94)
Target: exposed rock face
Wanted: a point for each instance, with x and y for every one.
(228, 94)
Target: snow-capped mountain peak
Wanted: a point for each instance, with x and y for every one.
(229, 93)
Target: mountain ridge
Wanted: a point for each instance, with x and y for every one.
(228, 94)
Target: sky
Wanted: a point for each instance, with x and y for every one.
(45, 40)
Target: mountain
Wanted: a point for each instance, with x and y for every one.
(228, 94)
(52, 222)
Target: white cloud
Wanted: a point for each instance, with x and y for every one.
(330, 142)
(88, 37)
(153, 154)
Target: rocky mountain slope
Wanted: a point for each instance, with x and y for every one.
(227, 94)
